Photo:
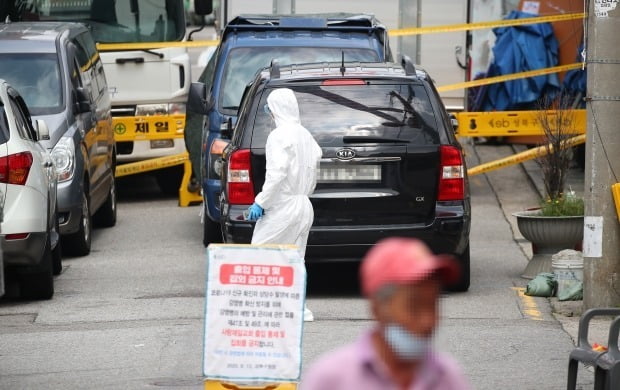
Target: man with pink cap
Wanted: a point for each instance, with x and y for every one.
(403, 280)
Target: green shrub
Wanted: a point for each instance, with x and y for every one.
(565, 206)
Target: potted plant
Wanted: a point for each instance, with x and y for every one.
(558, 223)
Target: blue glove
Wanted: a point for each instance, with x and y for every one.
(255, 212)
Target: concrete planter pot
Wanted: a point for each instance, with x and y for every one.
(548, 235)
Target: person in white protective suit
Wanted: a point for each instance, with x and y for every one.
(282, 209)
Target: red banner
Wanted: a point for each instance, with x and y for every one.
(256, 275)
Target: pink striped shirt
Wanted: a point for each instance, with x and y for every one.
(357, 367)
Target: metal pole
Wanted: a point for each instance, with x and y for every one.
(283, 7)
(399, 45)
(418, 38)
(602, 230)
(408, 16)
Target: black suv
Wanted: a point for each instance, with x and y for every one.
(391, 163)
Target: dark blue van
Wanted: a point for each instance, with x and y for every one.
(248, 44)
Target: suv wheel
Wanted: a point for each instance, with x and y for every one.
(106, 215)
(38, 282)
(211, 231)
(78, 243)
(463, 284)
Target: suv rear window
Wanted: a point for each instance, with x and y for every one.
(36, 76)
(402, 112)
(244, 62)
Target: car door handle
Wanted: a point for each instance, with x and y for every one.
(137, 60)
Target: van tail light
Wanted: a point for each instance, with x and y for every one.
(452, 178)
(14, 168)
(240, 185)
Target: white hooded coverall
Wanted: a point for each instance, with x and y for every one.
(293, 157)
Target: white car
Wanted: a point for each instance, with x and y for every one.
(29, 230)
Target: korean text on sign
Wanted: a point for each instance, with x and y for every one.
(254, 313)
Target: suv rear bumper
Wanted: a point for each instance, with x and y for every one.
(448, 234)
(211, 190)
(26, 252)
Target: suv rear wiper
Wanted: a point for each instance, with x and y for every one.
(365, 139)
(408, 107)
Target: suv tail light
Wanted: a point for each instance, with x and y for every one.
(240, 185)
(16, 236)
(331, 82)
(14, 168)
(451, 180)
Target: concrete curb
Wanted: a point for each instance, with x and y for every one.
(567, 313)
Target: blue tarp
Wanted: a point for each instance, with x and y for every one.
(520, 49)
(575, 81)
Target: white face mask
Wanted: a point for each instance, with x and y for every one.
(404, 344)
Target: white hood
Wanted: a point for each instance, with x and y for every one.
(283, 106)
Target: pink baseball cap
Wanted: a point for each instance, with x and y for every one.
(404, 261)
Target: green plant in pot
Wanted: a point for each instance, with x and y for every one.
(558, 223)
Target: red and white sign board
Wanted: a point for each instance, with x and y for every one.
(253, 313)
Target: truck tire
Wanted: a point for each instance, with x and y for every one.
(169, 180)
(106, 215)
(78, 243)
(211, 231)
(38, 282)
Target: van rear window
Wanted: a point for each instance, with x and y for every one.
(399, 112)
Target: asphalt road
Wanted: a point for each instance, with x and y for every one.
(130, 315)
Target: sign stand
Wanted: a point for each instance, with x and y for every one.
(214, 385)
(254, 308)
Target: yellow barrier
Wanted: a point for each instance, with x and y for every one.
(150, 164)
(185, 197)
(511, 123)
(215, 385)
(510, 77)
(153, 45)
(485, 25)
(138, 128)
(615, 190)
(521, 157)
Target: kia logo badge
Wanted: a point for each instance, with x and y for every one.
(345, 154)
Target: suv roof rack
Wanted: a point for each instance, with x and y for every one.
(274, 69)
(407, 64)
(332, 21)
(334, 70)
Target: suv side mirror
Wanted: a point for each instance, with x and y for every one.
(196, 101)
(82, 103)
(41, 129)
(203, 7)
(455, 122)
